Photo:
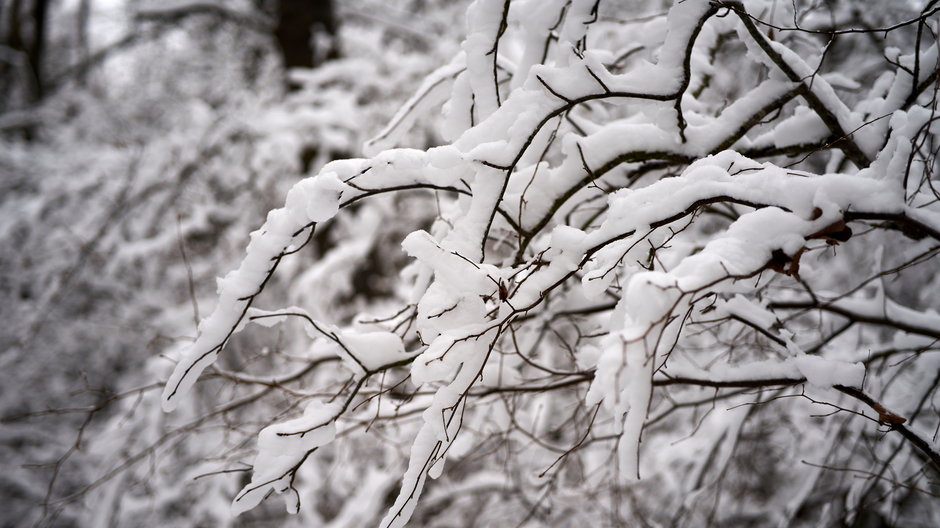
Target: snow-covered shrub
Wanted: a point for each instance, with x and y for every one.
(668, 269)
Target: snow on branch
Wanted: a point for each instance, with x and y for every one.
(608, 244)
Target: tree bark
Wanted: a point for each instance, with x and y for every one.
(299, 22)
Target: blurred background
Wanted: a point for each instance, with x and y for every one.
(140, 143)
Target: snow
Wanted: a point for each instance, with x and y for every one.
(626, 281)
(432, 92)
(311, 200)
(823, 373)
(281, 447)
(804, 126)
(741, 306)
(361, 351)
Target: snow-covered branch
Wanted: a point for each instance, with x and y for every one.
(626, 249)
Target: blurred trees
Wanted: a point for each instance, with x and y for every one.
(299, 28)
(165, 132)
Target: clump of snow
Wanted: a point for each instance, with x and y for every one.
(281, 448)
(823, 373)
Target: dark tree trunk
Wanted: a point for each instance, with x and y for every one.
(23, 33)
(301, 26)
(37, 44)
(81, 38)
(11, 69)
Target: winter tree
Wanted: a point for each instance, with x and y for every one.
(664, 267)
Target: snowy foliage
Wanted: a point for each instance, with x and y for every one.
(616, 274)
(665, 269)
